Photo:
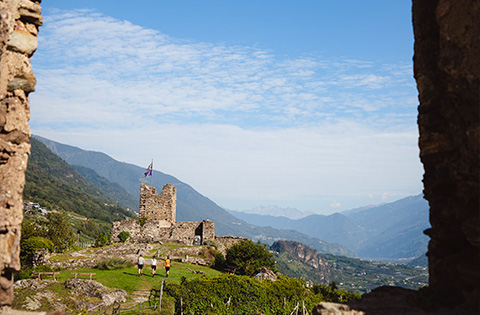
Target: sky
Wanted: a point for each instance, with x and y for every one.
(304, 104)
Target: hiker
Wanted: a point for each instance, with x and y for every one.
(168, 264)
(154, 266)
(141, 261)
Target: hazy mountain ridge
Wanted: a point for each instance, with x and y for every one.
(275, 211)
(392, 230)
(191, 205)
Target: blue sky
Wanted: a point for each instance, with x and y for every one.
(305, 104)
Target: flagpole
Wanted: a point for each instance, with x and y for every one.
(151, 177)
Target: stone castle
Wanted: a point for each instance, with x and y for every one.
(157, 221)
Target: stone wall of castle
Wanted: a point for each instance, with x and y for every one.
(19, 23)
(153, 231)
(158, 213)
(159, 207)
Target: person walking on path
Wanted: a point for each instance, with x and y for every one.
(141, 261)
(168, 264)
(154, 266)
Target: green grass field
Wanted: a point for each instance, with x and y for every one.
(128, 279)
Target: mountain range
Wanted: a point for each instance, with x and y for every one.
(391, 231)
(122, 182)
(388, 231)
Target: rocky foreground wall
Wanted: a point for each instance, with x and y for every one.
(447, 70)
(19, 22)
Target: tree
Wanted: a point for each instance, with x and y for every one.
(248, 256)
(102, 240)
(59, 232)
(123, 236)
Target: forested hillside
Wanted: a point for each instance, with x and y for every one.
(54, 184)
(297, 260)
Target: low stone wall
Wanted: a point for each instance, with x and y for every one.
(153, 231)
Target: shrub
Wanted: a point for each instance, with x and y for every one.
(248, 256)
(101, 240)
(219, 262)
(123, 236)
(142, 220)
(331, 294)
(114, 263)
(230, 294)
(30, 246)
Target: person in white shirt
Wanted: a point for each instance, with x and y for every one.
(154, 266)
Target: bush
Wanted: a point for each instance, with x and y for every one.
(114, 263)
(101, 240)
(142, 220)
(230, 294)
(331, 294)
(248, 257)
(218, 262)
(30, 247)
(123, 236)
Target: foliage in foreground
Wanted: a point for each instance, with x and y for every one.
(230, 294)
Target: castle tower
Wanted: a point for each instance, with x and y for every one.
(161, 208)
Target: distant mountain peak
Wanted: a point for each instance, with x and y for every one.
(275, 211)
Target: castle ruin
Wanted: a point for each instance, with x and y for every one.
(157, 221)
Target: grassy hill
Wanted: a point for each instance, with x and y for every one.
(201, 289)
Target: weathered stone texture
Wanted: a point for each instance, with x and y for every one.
(225, 242)
(158, 207)
(447, 70)
(19, 22)
(159, 212)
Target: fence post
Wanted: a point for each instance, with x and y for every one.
(295, 309)
(161, 294)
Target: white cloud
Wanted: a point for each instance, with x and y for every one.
(236, 122)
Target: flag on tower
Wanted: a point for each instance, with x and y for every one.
(149, 170)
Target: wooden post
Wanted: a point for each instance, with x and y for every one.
(295, 309)
(161, 294)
